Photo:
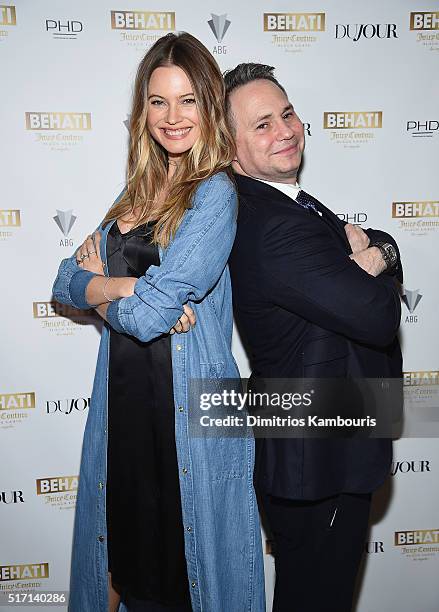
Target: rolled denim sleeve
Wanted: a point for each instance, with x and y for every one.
(71, 284)
(193, 263)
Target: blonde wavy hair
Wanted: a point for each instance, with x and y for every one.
(147, 166)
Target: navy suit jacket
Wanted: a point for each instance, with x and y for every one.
(304, 309)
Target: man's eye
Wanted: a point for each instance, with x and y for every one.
(262, 126)
(288, 115)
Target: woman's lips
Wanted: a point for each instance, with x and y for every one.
(177, 134)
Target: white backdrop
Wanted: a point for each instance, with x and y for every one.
(66, 81)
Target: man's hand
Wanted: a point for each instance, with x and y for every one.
(185, 322)
(370, 260)
(358, 239)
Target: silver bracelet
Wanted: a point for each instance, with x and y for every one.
(103, 290)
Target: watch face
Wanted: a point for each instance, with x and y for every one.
(391, 253)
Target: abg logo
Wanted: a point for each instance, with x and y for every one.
(355, 31)
(17, 401)
(424, 21)
(294, 22)
(420, 536)
(415, 209)
(56, 484)
(356, 218)
(46, 310)
(24, 572)
(66, 29)
(352, 120)
(423, 377)
(67, 406)
(58, 121)
(8, 16)
(11, 497)
(404, 467)
(10, 218)
(142, 20)
(423, 129)
(374, 547)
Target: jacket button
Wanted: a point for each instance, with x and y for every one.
(184, 470)
(101, 538)
(180, 409)
(189, 528)
(193, 584)
(101, 485)
(178, 347)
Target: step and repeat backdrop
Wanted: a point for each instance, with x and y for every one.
(363, 77)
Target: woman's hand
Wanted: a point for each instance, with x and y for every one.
(185, 322)
(88, 256)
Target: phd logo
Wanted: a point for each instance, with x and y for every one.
(422, 129)
(67, 29)
(411, 299)
(219, 24)
(357, 31)
(356, 218)
(65, 220)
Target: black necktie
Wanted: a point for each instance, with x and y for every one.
(307, 201)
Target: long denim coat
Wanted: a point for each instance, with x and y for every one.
(220, 515)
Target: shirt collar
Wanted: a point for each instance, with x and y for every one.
(286, 188)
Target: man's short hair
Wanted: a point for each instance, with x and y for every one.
(243, 74)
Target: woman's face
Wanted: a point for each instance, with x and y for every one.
(172, 111)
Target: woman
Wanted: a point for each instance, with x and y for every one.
(172, 517)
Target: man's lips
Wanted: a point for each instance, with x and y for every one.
(290, 149)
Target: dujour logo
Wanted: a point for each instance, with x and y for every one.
(356, 31)
(11, 497)
(67, 406)
(404, 467)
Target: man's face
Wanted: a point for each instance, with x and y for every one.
(268, 133)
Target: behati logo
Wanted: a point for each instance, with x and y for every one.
(219, 24)
(65, 220)
(411, 299)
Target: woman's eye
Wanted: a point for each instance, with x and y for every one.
(189, 101)
(262, 126)
(156, 102)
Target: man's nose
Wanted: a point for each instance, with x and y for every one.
(284, 131)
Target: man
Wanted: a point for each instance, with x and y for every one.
(313, 298)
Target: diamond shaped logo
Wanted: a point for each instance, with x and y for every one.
(219, 24)
(127, 122)
(411, 299)
(64, 220)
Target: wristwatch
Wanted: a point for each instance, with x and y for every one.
(388, 253)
